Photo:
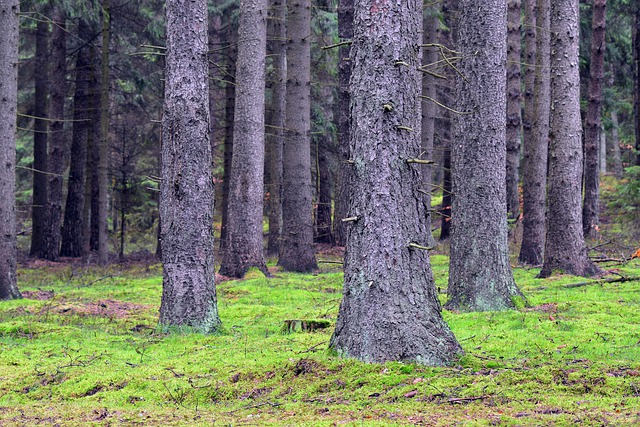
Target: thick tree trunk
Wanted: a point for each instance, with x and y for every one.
(534, 177)
(430, 35)
(187, 191)
(615, 145)
(514, 119)
(103, 160)
(480, 277)
(40, 134)
(345, 31)
(93, 153)
(57, 141)
(636, 58)
(390, 309)
(73, 226)
(593, 122)
(244, 227)
(9, 11)
(565, 249)
(296, 250)
(277, 34)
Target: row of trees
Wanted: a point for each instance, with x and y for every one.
(382, 199)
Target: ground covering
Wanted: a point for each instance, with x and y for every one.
(83, 348)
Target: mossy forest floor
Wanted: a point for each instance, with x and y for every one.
(82, 348)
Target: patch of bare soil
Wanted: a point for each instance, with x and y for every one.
(38, 295)
(109, 308)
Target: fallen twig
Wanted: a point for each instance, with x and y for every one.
(621, 279)
(256, 405)
(455, 400)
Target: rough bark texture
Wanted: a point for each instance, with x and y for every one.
(636, 59)
(565, 249)
(593, 121)
(187, 191)
(296, 250)
(345, 31)
(103, 160)
(40, 131)
(514, 119)
(73, 226)
(480, 277)
(57, 141)
(9, 10)
(244, 227)
(430, 35)
(93, 152)
(534, 176)
(530, 70)
(390, 309)
(277, 32)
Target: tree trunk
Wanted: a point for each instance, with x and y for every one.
(480, 277)
(277, 34)
(430, 30)
(323, 230)
(514, 120)
(9, 11)
(93, 153)
(103, 161)
(40, 134)
(636, 58)
(390, 309)
(345, 31)
(603, 151)
(530, 71)
(244, 227)
(57, 141)
(615, 145)
(593, 122)
(565, 249)
(534, 176)
(187, 191)
(296, 250)
(73, 227)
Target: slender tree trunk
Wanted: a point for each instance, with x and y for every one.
(93, 153)
(57, 141)
(244, 228)
(103, 162)
(430, 30)
(514, 119)
(277, 34)
(447, 199)
(40, 134)
(603, 151)
(390, 310)
(230, 91)
(187, 191)
(9, 11)
(615, 145)
(345, 31)
(536, 147)
(531, 29)
(323, 230)
(296, 250)
(73, 227)
(480, 277)
(593, 122)
(565, 249)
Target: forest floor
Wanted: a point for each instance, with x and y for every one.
(83, 349)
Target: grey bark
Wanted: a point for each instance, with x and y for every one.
(103, 159)
(40, 134)
(296, 249)
(57, 140)
(514, 119)
(244, 227)
(531, 28)
(277, 33)
(565, 249)
(73, 226)
(534, 176)
(187, 190)
(615, 145)
(9, 11)
(390, 309)
(593, 121)
(430, 30)
(480, 276)
(345, 31)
